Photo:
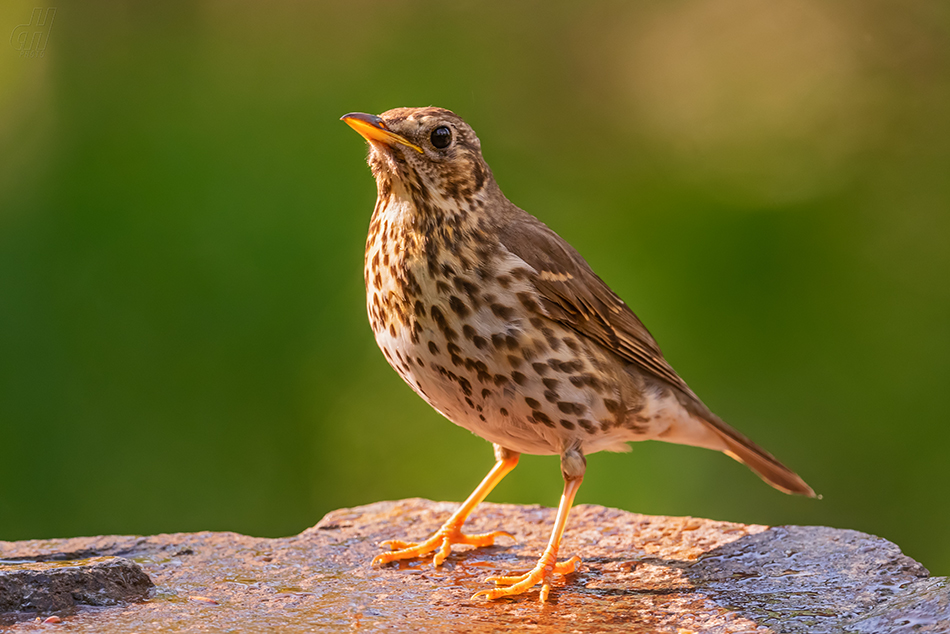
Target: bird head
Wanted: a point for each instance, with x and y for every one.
(429, 155)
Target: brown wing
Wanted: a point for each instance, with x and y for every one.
(573, 294)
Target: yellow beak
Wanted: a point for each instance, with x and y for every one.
(373, 129)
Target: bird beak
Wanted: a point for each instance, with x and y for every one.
(373, 129)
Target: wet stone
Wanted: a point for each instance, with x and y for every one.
(640, 574)
(54, 584)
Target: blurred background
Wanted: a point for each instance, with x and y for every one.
(183, 339)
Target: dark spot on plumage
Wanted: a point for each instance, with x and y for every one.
(528, 353)
(514, 361)
(498, 340)
(412, 286)
(480, 342)
(450, 334)
(521, 273)
(392, 270)
(519, 378)
(457, 360)
(512, 342)
(465, 385)
(551, 396)
(432, 257)
(453, 348)
(416, 331)
(586, 425)
(488, 298)
(541, 417)
(419, 309)
(482, 417)
(528, 302)
(471, 291)
(502, 311)
(612, 406)
(571, 343)
(433, 348)
(500, 379)
(571, 408)
(469, 402)
(376, 260)
(540, 368)
(592, 381)
(447, 270)
(468, 332)
(503, 280)
(540, 346)
(533, 404)
(484, 377)
(537, 322)
(567, 367)
(378, 280)
(392, 330)
(486, 393)
(482, 253)
(458, 306)
(442, 287)
(420, 362)
(503, 411)
(478, 408)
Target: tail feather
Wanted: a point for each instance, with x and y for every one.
(759, 460)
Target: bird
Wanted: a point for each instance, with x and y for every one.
(503, 328)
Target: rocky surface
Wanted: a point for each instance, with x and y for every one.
(51, 586)
(640, 574)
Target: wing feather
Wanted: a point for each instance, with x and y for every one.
(574, 295)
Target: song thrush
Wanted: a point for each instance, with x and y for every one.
(503, 328)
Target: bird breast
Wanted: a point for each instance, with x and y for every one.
(444, 317)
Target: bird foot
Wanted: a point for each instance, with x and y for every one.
(546, 567)
(441, 542)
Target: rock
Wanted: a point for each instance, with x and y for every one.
(50, 586)
(640, 574)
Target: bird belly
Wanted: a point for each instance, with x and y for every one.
(532, 389)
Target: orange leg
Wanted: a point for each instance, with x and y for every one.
(547, 565)
(451, 531)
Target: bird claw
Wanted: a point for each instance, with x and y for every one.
(441, 542)
(541, 573)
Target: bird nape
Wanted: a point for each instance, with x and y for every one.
(503, 328)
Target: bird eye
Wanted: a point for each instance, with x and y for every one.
(441, 137)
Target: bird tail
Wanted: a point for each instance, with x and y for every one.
(764, 464)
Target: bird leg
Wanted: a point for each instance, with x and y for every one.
(451, 531)
(572, 465)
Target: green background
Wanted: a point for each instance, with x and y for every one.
(183, 340)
